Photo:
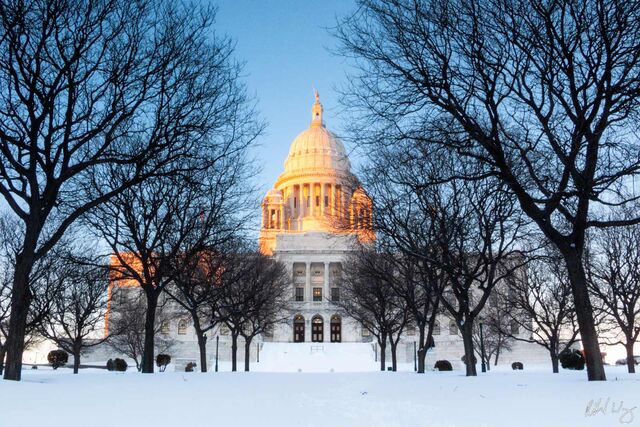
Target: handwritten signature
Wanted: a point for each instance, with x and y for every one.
(609, 407)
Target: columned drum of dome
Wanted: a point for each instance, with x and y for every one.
(317, 191)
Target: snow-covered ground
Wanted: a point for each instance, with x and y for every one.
(532, 397)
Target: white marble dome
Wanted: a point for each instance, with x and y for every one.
(316, 148)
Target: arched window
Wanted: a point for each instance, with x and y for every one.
(515, 327)
(298, 328)
(453, 328)
(436, 328)
(182, 327)
(317, 329)
(336, 328)
(164, 329)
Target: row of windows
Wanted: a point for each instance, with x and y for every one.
(183, 325)
(316, 294)
(453, 329)
(308, 201)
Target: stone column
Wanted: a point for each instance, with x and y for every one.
(282, 225)
(308, 293)
(327, 287)
(322, 196)
(312, 208)
(332, 199)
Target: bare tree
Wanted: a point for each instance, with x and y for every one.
(254, 298)
(99, 97)
(196, 289)
(396, 176)
(478, 229)
(543, 94)
(267, 282)
(368, 297)
(542, 304)
(5, 304)
(79, 303)
(127, 324)
(614, 278)
(44, 281)
(495, 320)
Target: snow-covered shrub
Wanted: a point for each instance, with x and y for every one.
(120, 365)
(443, 365)
(57, 358)
(110, 365)
(572, 359)
(191, 366)
(162, 360)
(517, 366)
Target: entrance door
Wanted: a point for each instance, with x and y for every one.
(336, 329)
(298, 329)
(317, 329)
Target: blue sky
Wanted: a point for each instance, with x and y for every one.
(286, 47)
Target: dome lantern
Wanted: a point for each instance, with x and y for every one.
(316, 112)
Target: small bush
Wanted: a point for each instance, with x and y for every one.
(110, 365)
(34, 367)
(517, 366)
(191, 366)
(443, 365)
(120, 365)
(162, 360)
(57, 358)
(572, 359)
(464, 359)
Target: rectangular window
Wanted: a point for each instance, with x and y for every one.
(295, 202)
(308, 201)
(411, 329)
(365, 332)
(335, 294)
(299, 294)
(317, 294)
(326, 201)
(317, 200)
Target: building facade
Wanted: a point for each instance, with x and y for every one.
(314, 216)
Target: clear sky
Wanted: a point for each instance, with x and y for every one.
(286, 47)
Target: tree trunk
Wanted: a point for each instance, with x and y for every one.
(422, 351)
(553, 353)
(76, 361)
(2, 353)
(149, 333)
(383, 352)
(247, 353)
(584, 313)
(467, 340)
(631, 362)
(554, 363)
(394, 356)
(202, 346)
(21, 298)
(234, 352)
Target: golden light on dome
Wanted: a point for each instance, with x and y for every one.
(317, 191)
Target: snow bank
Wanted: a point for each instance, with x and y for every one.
(532, 397)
